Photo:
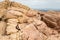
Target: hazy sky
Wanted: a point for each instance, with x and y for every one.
(41, 4)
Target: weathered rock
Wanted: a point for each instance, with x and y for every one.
(19, 22)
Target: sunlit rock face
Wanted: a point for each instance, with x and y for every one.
(19, 22)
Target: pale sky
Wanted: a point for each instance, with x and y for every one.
(41, 4)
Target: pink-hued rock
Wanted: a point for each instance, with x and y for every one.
(31, 33)
(19, 22)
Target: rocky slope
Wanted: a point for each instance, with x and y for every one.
(19, 22)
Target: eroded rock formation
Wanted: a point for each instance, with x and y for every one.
(19, 22)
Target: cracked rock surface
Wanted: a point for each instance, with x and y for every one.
(19, 22)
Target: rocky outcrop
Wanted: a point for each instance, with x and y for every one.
(19, 22)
